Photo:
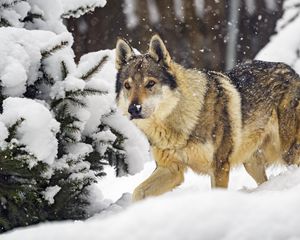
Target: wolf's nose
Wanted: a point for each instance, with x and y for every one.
(135, 110)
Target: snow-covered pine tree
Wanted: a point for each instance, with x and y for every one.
(49, 154)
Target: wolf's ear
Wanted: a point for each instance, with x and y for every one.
(123, 53)
(158, 50)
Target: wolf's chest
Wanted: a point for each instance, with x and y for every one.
(195, 155)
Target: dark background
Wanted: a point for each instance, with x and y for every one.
(194, 39)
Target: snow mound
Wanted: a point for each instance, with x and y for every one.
(266, 213)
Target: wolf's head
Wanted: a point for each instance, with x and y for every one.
(145, 83)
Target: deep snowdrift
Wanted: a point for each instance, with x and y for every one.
(270, 211)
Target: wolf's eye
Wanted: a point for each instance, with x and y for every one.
(127, 86)
(150, 84)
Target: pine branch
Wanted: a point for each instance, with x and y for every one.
(12, 130)
(72, 129)
(76, 93)
(92, 91)
(31, 16)
(73, 97)
(76, 101)
(79, 11)
(31, 91)
(64, 70)
(47, 52)
(46, 77)
(70, 139)
(4, 22)
(67, 100)
(8, 5)
(110, 113)
(85, 92)
(95, 69)
(63, 110)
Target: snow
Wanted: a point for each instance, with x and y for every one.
(74, 7)
(51, 11)
(69, 84)
(13, 15)
(52, 63)
(13, 78)
(3, 135)
(19, 68)
(21, 55)
(136, 144)
(284, 46)
(266, 212)
(50, 193)
(79, 149)
(75, 4)
(37, 131)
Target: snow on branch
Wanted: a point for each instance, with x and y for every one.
(76, 8)
(95, 69)
(9, 3)
(13, 13)
(56, 44)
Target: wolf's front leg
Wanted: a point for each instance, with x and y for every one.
(162, 180)
(220, 176)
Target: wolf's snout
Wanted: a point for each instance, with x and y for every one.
(135, 110)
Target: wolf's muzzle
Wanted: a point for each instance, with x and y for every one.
(135, 110)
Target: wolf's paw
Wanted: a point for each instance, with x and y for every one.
(138, 194)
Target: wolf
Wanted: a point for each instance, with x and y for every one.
(205, 120)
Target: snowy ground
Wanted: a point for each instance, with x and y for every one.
(192, 211)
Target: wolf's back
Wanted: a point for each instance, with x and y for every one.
(268, 88)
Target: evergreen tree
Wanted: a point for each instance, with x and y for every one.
(35, 186)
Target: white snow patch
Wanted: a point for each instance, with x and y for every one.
(37, 131)
(3, 135)
(50, 193)
(70, 6)
(285, 45)
(13, 78)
